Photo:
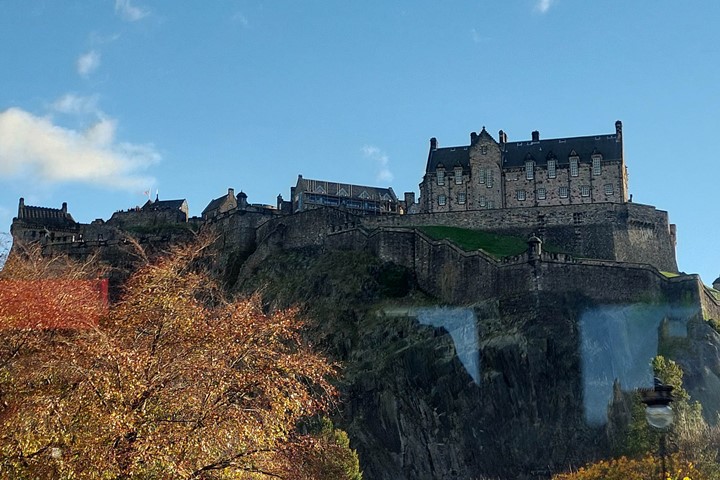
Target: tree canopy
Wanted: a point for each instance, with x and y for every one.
(176, 381)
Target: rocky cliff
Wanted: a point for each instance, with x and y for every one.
(515, 385)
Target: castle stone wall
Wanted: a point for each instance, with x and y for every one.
(624, 232)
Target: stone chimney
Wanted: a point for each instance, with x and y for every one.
(618, 130)
(64, 207)
(21, 208)
(535, 136)
(231, 192)
(502, 137)
(433, 143)
(409, 199)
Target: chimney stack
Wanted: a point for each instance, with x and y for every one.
(502, 137)
(535, 136)
(618, 130)
(231, 192)
(433, 143)
(64, 207)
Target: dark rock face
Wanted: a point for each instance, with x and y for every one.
(496, 389)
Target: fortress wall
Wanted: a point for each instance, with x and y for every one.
(350, 239)
(710, 303)
(307, 228)
(624, 232)
(146, 218)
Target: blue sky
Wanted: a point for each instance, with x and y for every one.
(103, 100)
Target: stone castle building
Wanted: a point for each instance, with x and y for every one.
(490, 174)
(570, 192)
(364, 200)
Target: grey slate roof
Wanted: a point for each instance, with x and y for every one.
(215, 204)
(352, 191)
(164, 205)
(515, 153)
(47, 217)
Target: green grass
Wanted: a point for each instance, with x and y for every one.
(669, 274)
(493, 244)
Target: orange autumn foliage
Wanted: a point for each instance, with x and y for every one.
(177, 381)
(645, 468)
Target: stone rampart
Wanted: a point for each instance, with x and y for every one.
(624, 232)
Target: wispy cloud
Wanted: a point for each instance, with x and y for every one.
(382, 162)
(129, 12)
(73, 104)
(34, 147)
(477, 37)
(543, 6)
(88, 63)
(238, 17)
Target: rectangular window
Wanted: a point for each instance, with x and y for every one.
(483, 175)
(491, 204)
(483, 149)
(441, 177)
(609, 189)
(563, 192)
(541, 194)
(520, 195)
(458, 177)
(461, 198)
(552, 169)
(489, 179)
(483, 202)
(585, 190)
(529, 170)
(573, 167)
(597, 168)
(442, 199)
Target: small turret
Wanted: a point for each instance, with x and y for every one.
(242, 200)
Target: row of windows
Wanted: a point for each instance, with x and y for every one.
(440, 174)
(486, 174)
(521, 195)
(574, 167)
(564, 192)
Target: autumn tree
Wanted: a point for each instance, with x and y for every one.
(177, 381)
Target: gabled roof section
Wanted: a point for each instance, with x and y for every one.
(343, 189)
(164, 204)
(49, 217)
(515, 153)
(219, 202)
(448, 158)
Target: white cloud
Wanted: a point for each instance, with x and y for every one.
(32, 146)
(88, 63)
(383, 163)
(129, 12)
(543, 6)
(76, 105)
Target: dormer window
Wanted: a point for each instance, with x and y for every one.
(596, 165)
(364, 195)
(319, 189)
(342, 193)
(441, 177)
(552, 168)
(529, 170)
(574, 169)
(458, 176)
